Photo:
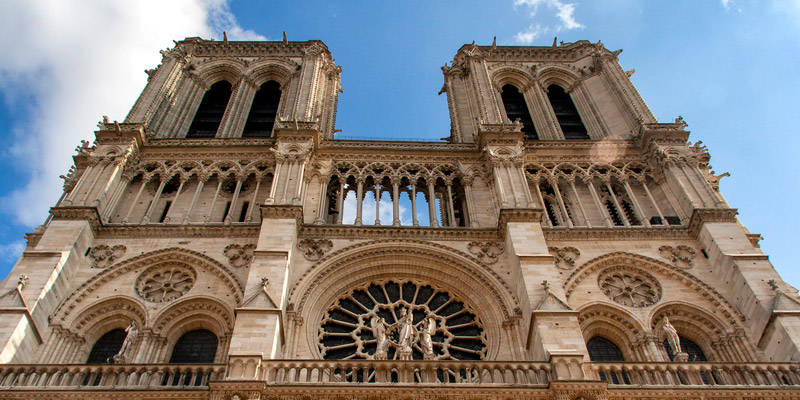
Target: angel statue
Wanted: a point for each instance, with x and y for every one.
(425, 341)
(408, 334)
(131, 332)
(379, 327)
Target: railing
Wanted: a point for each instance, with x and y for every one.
(711, 374)
(72, 376)
(291, 372)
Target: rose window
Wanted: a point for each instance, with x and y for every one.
(630, 287)
(444, 326)
(166, 282)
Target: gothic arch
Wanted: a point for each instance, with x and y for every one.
(613, 323)
(197, 312)
(692, 323)
(147, 260)
(271, 69)
(727, 312)
(227, 69)
(512, 75)
(112, 313)
(556, 75)
(450, 269)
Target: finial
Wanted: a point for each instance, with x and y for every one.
(546, 286)
(225, 36)
(494, 43)
(555, 40)
(23, 280)
(773, 284)
(264, 282)
(285, 41)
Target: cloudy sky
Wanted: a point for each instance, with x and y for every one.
(728, 67)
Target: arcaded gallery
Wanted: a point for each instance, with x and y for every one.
(222, 242)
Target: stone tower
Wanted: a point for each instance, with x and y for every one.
(561, 243)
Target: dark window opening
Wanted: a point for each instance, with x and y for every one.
(656, 220)
(107, 347)
(673, 220)
(689, 347)
(209, 114)
(195, 347)
(614, 214)
(566, 113)
(263, 111)
(225, 213)
(551, 212)
(243, 214)
(517, 108)
(628, 208)
(164, 213)
(603, 350)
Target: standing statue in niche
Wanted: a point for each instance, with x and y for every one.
(425, 340)
(408, 334)
(674, 341)
(131, 332)
(379, 327)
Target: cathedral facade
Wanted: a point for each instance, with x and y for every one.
(560, 243)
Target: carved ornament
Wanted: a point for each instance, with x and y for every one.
(239, 255)
(314, 249)
(681, 256)
(104, 255)
(564, 257)
(629, 286)
(487, 252)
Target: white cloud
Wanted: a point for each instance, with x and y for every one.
(66, 64)
(9, 252)
(726, 4)
(564, 12)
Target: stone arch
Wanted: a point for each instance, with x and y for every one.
(512, 75)
(143, 261)
(271, 69)
(219, 69)
(196, 312)
(556, 75)
(450, 269)
(692, 323)
(112, 313)
(727, 312)
(613, 323)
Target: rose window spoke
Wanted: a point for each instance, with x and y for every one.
(346, 332)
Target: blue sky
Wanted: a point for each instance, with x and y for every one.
(728, 67)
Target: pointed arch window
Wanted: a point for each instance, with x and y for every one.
(263, 111)
(195, 347)
(603, 350)
(209, 114)
(106, 347)
(516, 108)
(566, 113)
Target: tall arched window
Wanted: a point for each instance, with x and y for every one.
(195, 347)
(566, 113)
(209, 114)
(106, 347)
(689, 347)
(603, 350)
(262, 112)
(517, 108)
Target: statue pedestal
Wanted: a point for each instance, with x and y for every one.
(681, 357)
(404, 354)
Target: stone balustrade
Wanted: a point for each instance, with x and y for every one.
(695, 373)
(78, 376)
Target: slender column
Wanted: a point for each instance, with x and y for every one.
(414, 219)
(79, 185)
(554, 184)
(289, 174)
(143, 350)
(275, 177)
(103, 165)
(513, 185)
(497, 181)
(113, 201)
(637, 208)
(548, 221)
(340, 203)
(691, 183)
(175, 201)
(526, 188)
(470, 202)
(616, 203)
(359, 199)
(234, 199)
(323, 194)
(254, 199)
(200, 183)
(214, 200)
(377, 204)
(301, 169)
(580, 203)
(145, 180)
(396, 201)
(606, 217)
(432, 206)
(156, 198)
(643, 182)
(450, 211)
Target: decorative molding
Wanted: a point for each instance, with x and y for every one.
(314, 249)
(487, 252)
(104, 255)
(682, 256)
(239, 255)
(564, 257)
(396, 233)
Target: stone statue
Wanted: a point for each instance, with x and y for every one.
(674, 340)
(408, 334)
(132, 331)
(379, 327)
(425, 341)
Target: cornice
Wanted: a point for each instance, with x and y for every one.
(116, 231)
(390, 232)
(328, 145)
(222, 143)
